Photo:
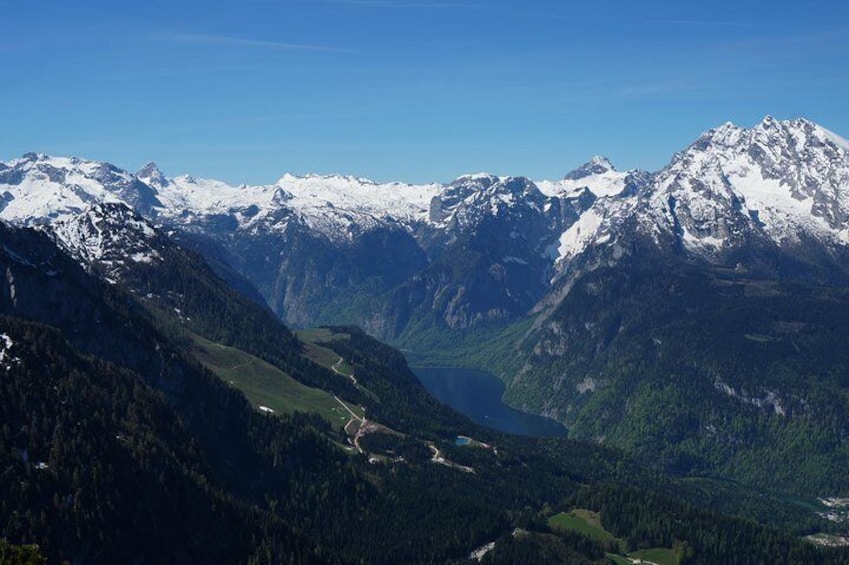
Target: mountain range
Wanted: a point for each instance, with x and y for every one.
(481, 249)
(692, 317)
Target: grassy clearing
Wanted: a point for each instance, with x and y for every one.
(656, 555)
(322, 355)
(313, 335)
(581, 521)
(588, 523)
(265, 385)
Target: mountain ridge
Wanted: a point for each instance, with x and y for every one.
(483, 250)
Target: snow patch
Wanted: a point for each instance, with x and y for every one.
(607, 184)
(770, 399)
(6, 359)
(580, 235)
(478, 554)
(5, 344)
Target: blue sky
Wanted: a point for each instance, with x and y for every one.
(413, 90)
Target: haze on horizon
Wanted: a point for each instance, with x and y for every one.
(411, 90)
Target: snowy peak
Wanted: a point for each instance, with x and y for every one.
(599, 177)
(780, 177)
(596, 166)
(152, 176)
(38, 188)
(471, 198)
(339, 207)
(780, 181)
(111, 236)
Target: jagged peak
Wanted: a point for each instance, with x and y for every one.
(33, 159)
(597, 165)
(517, 184)
(152, 176)
(33, 156)
(768, 121)
(767, 132)
(149, 170)
(188, 179)
(601, 161)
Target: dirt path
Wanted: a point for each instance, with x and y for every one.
(361, 430)
(440, 459)
(335, 369)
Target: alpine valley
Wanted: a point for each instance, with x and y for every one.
(688, 326)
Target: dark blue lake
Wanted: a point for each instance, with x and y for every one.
(477, 394)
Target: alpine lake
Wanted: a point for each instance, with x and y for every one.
(477, 394)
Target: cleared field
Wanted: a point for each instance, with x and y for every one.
(265, 385)
(582, 521)
(588, 523)
(656, 555)
(322, 355)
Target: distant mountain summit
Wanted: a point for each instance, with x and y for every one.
(596, 166)
(152, 176)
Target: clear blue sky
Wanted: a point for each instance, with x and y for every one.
(413, 90)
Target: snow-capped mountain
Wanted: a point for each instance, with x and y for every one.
(335, 207)
(38, 189)
(111, 236)
(472, 199)
(598, 176)
(308, 242)
(782, 182)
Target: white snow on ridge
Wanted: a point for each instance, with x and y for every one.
(330, 204)
(111, 237)
(780, 213)
(779, 178)
(46, 189)
(580, 235)
(609, 183)
(313, 194)
(6, 359)
(5, 344)
(38, 198)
